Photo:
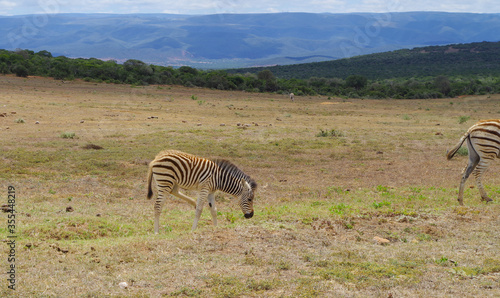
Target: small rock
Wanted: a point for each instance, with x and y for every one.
(438, 134)
(380, 240)
(222, 124)
(199, 124)
(37, 122)
(82, 121)
(69, 209)
(123, 285)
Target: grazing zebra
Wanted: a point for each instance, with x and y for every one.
(172, 169)
(483, 142)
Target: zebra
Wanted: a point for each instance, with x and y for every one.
(292, 96)
(172, 169)
(483, 142)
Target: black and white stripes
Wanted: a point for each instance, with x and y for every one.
(172, 169)
(483, 142)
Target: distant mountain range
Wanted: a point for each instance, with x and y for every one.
(240, 40)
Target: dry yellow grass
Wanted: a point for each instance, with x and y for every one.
(332, 173)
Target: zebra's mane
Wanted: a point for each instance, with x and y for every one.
(233, 170)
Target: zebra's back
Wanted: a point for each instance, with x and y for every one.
(184, 169)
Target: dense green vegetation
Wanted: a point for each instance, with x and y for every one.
(430, 72)
(472, 59)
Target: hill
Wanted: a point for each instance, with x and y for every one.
(473, 59)
(240, 40)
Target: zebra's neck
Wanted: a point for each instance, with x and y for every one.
(229, 178)
(229, 183)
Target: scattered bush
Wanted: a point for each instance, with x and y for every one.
(329, 133)
(463, 119)
(463, 151)
(68, 135)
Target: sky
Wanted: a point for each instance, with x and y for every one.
(21, 7)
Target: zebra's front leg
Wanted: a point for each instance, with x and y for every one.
(213, 209)
(199, 207)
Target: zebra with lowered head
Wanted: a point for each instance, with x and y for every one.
(172, 169)
(483, 142)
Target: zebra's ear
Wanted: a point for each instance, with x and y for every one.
(253, 185)
(245, 184)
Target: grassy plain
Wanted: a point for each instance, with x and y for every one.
(333, 174)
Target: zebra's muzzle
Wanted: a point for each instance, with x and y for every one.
(249, 215)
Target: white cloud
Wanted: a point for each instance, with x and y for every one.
(6, 6)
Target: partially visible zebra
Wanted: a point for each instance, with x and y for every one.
(483, 142)
(292, 96)
(172, 169)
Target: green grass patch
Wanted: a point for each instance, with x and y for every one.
(370, 273)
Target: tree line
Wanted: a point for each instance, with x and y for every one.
(24, 63)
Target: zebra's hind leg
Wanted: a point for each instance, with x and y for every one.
(213, 209)
(473, 161)
(175, 192)
(160, 201)
(480, 170)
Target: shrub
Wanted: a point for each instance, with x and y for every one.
(68, 135)
(463, 151)
(329, 133)
(463, 119)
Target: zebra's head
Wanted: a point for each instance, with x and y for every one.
(247, 196)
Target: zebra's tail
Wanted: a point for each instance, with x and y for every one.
(150, 180)
(454, 150)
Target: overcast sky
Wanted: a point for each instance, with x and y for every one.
(19, 7)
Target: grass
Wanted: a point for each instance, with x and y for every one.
(322, 197)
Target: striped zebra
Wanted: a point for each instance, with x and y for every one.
(483, 142)
(172, 169)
